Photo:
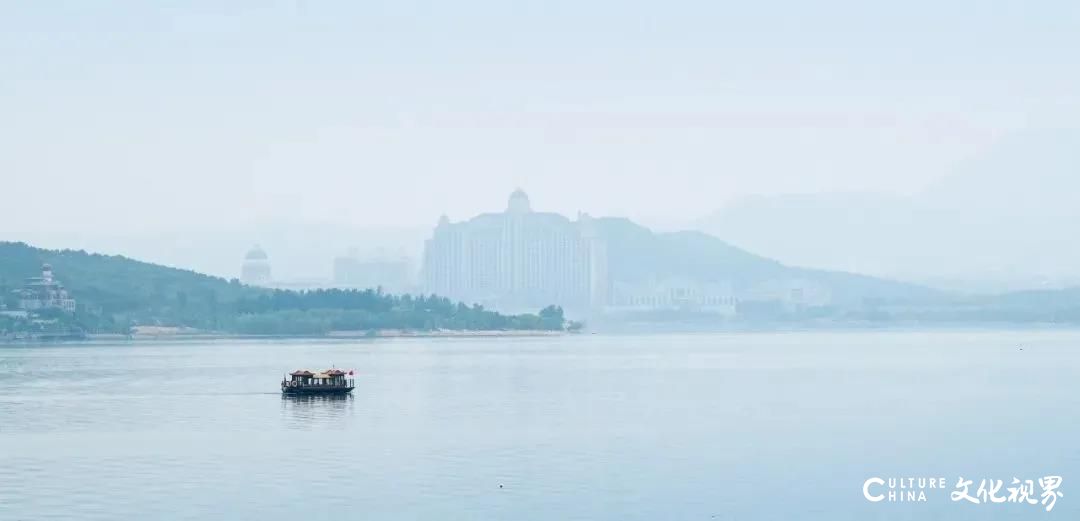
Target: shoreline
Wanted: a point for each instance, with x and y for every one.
(164, 335)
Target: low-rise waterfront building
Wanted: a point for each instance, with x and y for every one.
(673, 294)
(791, 293)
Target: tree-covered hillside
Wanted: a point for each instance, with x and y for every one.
(115, 293)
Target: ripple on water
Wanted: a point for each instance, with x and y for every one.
(591, 427)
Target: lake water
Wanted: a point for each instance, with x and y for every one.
(742, 426)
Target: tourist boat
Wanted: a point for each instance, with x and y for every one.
(330, 381)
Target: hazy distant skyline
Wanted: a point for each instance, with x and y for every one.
(139, 117)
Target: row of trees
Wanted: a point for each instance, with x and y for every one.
(298, 313)
(321, 311)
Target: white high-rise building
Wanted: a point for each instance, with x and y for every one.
(517, 259)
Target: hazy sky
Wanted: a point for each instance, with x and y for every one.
(133, 116)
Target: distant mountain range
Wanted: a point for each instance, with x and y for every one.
(1003, 222)
(636, 254)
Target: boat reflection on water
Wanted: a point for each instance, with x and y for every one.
(316, 411)
(316, 398)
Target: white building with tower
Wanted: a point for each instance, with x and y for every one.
(44, 292)
(517, 259)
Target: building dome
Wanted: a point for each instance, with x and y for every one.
(256, 253)
(519, 202)
(256, 267)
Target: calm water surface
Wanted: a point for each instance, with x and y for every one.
(709, 426)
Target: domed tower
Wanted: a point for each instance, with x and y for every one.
(519, 203)
(256, 268)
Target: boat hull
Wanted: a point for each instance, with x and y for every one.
(315, 391)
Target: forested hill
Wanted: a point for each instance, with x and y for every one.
(112, 287)
(114, 293)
